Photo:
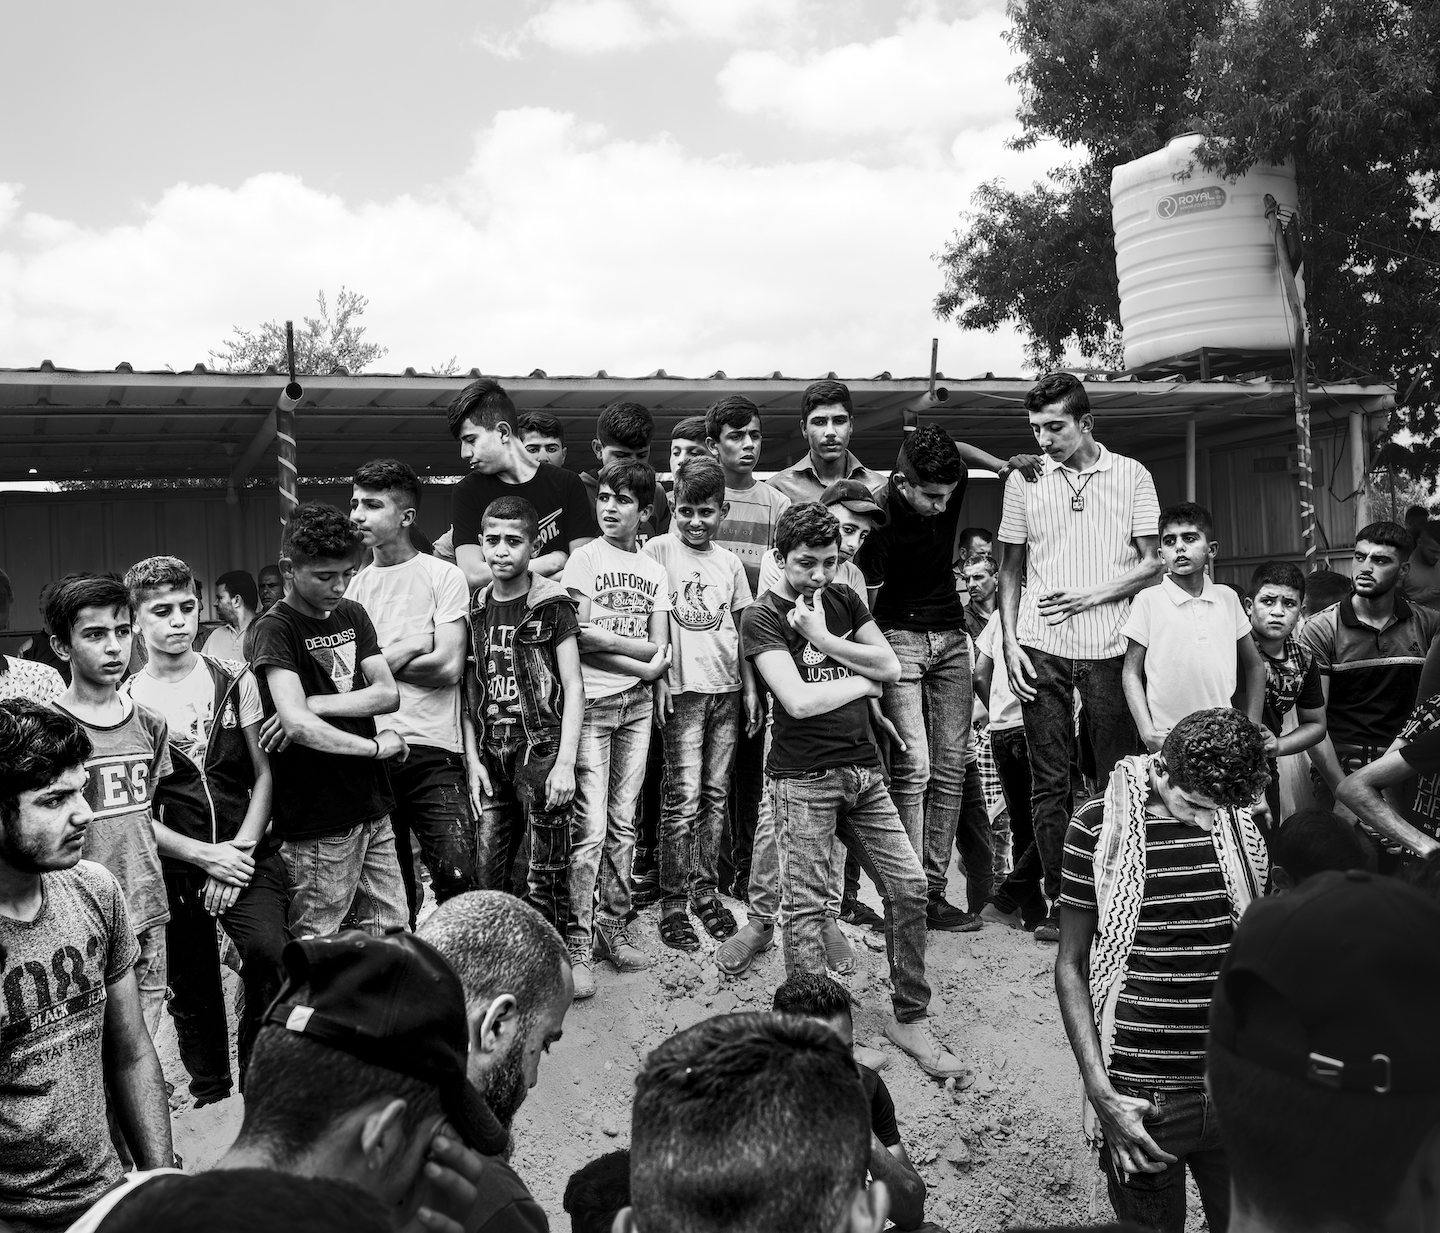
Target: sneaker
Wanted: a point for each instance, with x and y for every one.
(582, 971)
(736, 954)
(875, 1059)
(1048, 930)
(993, 914)
(940, 914)
(918, 1040)
(645, 889)
(614, 943)
(862, 916)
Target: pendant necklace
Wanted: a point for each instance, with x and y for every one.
(1077, 495)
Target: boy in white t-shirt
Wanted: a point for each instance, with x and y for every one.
(624, 611)
(1190, 631)
(418, 605)
(217, 862)
(701, 702)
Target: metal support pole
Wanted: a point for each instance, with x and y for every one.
(1358, 472)
(1301, 382)
(285, 434)
(1190, 459)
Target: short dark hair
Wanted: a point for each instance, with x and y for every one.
(543, 424)
(691, 428)
(736, 411)
(390, 475)
(1311, 841)
(153, 574)
(297, 1088)
(699, 478)
(808, 523)
(812, 994)
(626, 424)
(1301, 1154)
(483, 402)
(76, 592)
(636, 478)
(1325, 587)
(499, 944)
(986, 562)
(748, 1121)
(242, 586)
(319, 532)
(825, 393)
(1187, 513)
(1417, 511)
(596, 1191)
(929, 456)
(514, 509)
(1277, 574)
(1389, 534)
(241, 1200)
(1063, 388)
(1219, 754)
(37, 746)
(969, 533)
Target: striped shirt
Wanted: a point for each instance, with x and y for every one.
(1184, 931)
(749, 528)
(1374, 674)
(1068, 548)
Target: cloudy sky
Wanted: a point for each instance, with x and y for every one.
(747, 185)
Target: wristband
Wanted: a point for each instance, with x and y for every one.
(376, 754)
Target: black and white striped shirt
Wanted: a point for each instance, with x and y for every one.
(1068, 549)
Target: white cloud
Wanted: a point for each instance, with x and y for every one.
(929, 79)
(558, 248)
(597, 27)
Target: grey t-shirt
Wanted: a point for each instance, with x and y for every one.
(56, 1157)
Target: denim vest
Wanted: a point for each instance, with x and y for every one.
(209, 802)
(537, 675)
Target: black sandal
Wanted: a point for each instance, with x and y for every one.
(676, 931)
(718, 920)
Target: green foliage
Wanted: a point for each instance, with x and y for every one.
(323, 344)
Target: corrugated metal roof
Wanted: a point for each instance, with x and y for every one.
(58, 423)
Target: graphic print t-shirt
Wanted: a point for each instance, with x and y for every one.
(56, 1157)
(749, 528)
(502, 694)
(841, 737)
(408, 599)
(188, 706)
(705, 589)
(127, 760)
(1290, 681)
(1420, 797)
(559, 497)
(318, 793)
(623, 588)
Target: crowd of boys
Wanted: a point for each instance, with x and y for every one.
(592, 694)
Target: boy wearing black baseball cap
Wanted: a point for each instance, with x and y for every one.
(1322, 1062)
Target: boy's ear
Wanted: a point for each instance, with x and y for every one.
(724, 509)
(61, 649)
(597, 449)
(647, 512)
(1249, 605)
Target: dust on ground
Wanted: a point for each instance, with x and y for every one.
(1006, 1151)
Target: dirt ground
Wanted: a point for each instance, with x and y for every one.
(1006, 1152)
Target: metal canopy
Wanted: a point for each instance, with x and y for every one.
(63, 424)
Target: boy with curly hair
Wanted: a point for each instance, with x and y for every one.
(1157, 873)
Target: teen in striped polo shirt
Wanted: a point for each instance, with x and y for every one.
(1158, 871)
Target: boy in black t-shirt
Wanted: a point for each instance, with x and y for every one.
(484, 421)
(323, 679)
(818, 997)
(525, 704)
(822, 656)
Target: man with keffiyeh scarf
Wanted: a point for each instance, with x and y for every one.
(1157, 872)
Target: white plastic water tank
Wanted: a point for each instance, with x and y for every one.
(1195, 256)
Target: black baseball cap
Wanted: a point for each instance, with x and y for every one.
(395, 1003)
(854, 496)
(1336, 984)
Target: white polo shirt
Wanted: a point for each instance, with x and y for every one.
(1068, 548)
(1190, 648)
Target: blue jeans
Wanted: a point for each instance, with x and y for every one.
(609, 770)
(432, 807)
(521, 846)
(1184, 1125)
(975, 842)
(1050, 733)
(930, 708)
(850, 801)
(699, 741)
(329, 874)
(1020, 891)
